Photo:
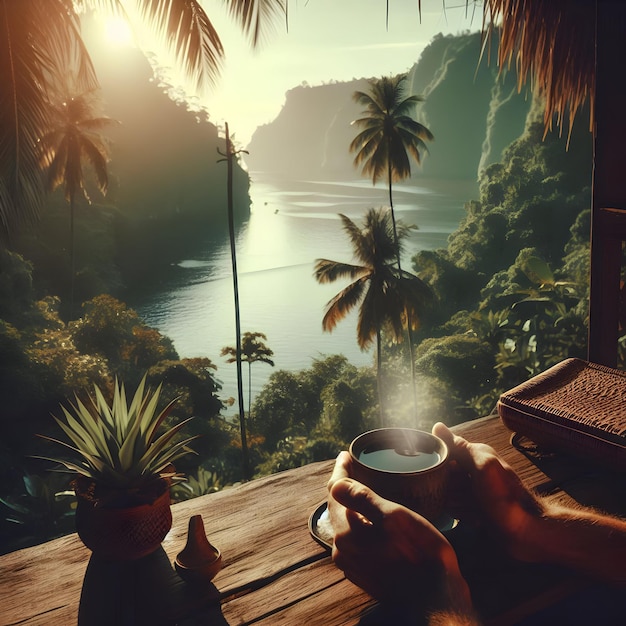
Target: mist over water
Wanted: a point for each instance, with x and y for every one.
(292, 223)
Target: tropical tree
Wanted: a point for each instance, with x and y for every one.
(253, 350)
(388, 296)
(389, 137)
(229, 155)
(40, 43)
(74, 137)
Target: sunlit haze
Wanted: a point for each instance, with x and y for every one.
(325, 41)
(117, 31)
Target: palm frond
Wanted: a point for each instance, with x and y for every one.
(405, 108)
(94, 151)
(71, 137)
(404, 230)
(415, 296)
(364, 246)
(389, 135)
(36, 38)
(327, 271)
(373, 107)
(387, 295)
(184, 28)
(339, 306)
(411, 127)
(369, 321)
(371, 154)
(257, 17)
(379, 247)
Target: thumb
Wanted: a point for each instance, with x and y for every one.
(458, 447)
(443, 432)
(471, 457)
(356, 497)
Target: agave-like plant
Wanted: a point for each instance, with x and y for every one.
(117, 446)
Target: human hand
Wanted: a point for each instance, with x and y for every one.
(499, 498)
(391, 552)
(533, 529)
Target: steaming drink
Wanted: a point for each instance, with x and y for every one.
(404, 465)
(393, 460)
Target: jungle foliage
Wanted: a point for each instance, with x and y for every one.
(512, 284)
(512, 291)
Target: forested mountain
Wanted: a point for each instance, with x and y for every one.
(473, 112)
(164, 159)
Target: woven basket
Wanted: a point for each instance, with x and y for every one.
(575, 406)
(123, 533)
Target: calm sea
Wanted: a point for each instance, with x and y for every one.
(292, 223)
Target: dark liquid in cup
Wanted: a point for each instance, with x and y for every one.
(392, 460)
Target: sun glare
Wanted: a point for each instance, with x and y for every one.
(118, 31)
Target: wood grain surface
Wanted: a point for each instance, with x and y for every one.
(273, 571)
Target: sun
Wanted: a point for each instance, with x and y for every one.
(117, 31)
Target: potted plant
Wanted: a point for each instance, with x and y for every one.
(124, 469)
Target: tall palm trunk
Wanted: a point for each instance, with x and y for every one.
(233, 257)
(393, 215)
(249, 388)
(408, 313)
(379, 378)
(72, 257)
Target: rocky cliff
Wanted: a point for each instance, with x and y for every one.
(472, 110)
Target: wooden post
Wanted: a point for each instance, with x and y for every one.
(608, 229)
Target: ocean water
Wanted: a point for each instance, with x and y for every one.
(292, 223)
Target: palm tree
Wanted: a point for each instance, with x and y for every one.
(40, 42)
(390, 136)
(73, 138)
(229, 155)
(253, 350)
(36, 41)
(387, 295)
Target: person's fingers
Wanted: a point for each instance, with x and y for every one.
(341, 468)
(468, 455)
(442, 431)
(357, 520)
(358, 498)
(457, 446)
(450, 439)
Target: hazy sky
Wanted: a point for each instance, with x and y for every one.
(327, 40)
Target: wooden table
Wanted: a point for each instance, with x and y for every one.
(274, 572)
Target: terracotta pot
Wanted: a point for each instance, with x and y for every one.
(121, 533)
